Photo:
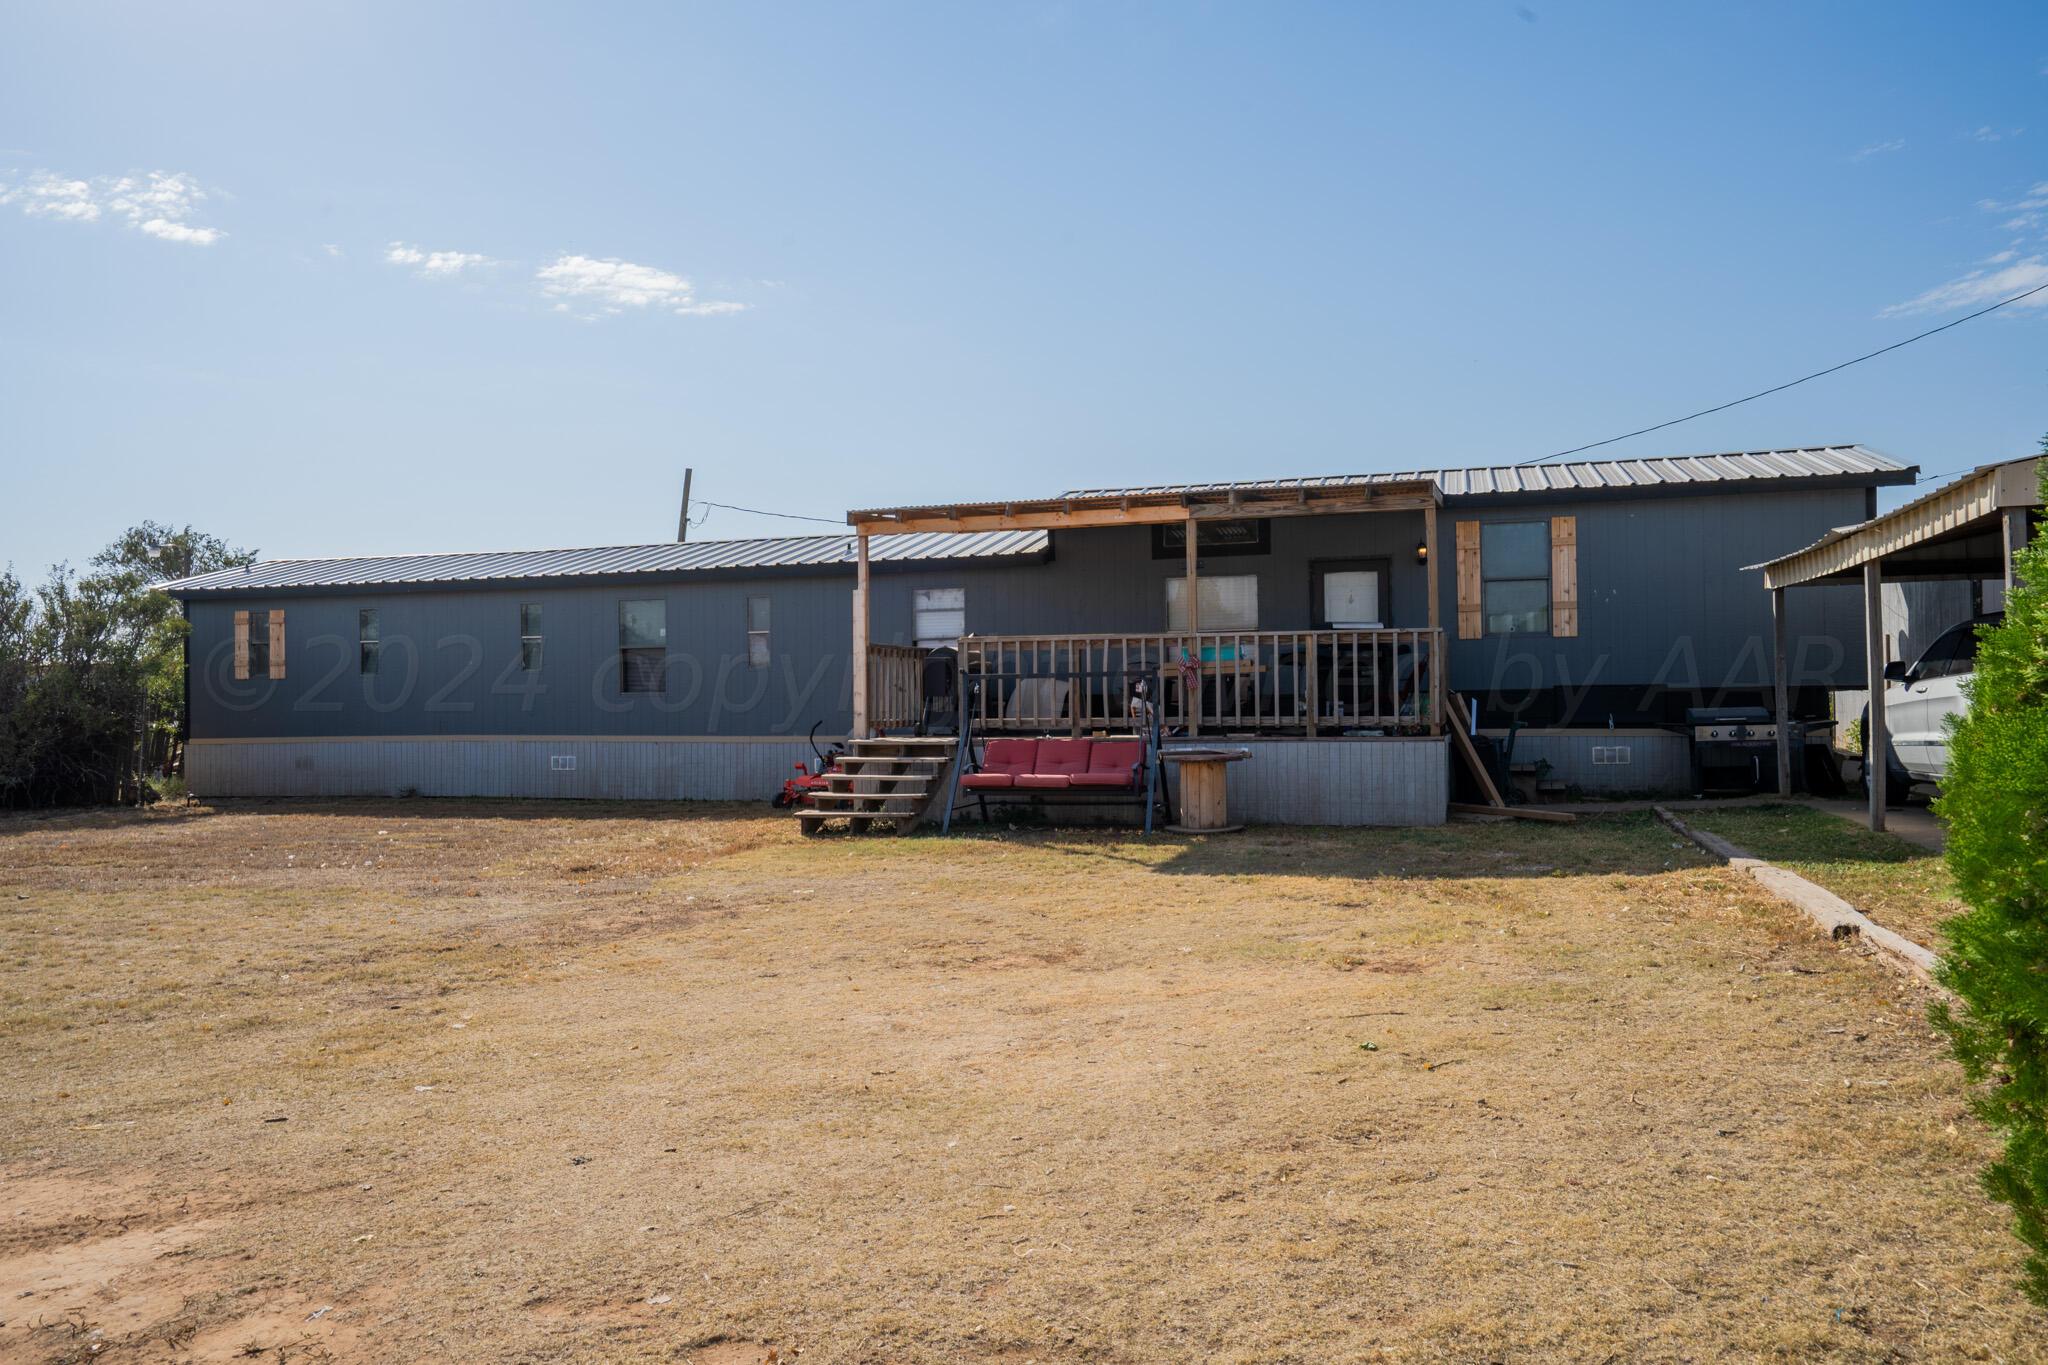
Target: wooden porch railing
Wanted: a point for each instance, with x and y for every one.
(1309, 682)
(895, 686)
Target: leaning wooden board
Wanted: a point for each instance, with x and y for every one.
(1459, 718)
(1554, 817)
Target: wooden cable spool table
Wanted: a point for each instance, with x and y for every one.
(1203, 808)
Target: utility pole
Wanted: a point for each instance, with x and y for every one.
(683, 518)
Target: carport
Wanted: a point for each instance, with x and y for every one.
(1968, 529)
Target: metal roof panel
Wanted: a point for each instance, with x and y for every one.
(776, 552)
(1740, 466)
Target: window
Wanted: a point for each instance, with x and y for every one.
(938, 616)
(369, 647)
(1349, 592)
(643, 645)
(1251, 536)
(529, 637)
(1515, 560)
(1229, 602)
(257, 646)
(757, 632)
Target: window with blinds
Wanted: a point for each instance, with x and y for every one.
(1226, 602)
(369, 641)
(1515, 565)
(758, 650)
(530, 639)
(643, 645)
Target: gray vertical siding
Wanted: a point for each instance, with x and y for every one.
(1663, 602)
(451, 664)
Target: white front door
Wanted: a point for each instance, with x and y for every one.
(1351, 597)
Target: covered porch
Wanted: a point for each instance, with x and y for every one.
(1359, 665)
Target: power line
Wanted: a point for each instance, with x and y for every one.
(1780, 388)
(786, 516)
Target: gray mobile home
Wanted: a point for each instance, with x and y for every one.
(1327, 622)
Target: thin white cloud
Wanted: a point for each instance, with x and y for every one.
(2027, 211)
(1978, 288)
(159, 204)
(1897, 144)
(1999, 275)
(44, 195)
(433, 264)
(330, 248)
(1989, 134)
(612, 286)
(173, 231)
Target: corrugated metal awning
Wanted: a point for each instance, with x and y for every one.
(1908, 538)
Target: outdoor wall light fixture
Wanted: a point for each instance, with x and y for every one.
(1422, 552)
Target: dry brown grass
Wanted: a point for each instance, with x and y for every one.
(589, 1083)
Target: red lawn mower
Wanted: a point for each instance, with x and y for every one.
(797, 791)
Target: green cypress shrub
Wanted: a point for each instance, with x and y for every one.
(1995, 804)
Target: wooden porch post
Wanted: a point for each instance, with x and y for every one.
(1192, 694)
(2015, 541)
(1782, 685)
(1439, 661)
(860, 637)
(1874, 747)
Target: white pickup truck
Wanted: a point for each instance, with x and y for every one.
(1918, 700)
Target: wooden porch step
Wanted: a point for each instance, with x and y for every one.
(846, 781)
(866, 803)
(921, 761)
(892, 779)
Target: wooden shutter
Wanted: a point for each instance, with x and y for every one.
(1564, 575)
(1471, 592)
(241, 644)
(276, 644)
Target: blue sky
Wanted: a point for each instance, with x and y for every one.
(341, 278)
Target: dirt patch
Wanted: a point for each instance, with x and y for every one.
(107, 1268)
(549, 1082)
(738, 1353)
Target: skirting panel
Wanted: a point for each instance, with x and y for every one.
(1285, 782)
(1340, 781)
(596, 769)
(1613, 763)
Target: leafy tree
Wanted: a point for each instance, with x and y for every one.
(92, 669)
(1995, 804)
(152, 625)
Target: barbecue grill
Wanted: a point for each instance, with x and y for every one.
(1737, 747)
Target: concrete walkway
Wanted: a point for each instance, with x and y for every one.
(1915, 824)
